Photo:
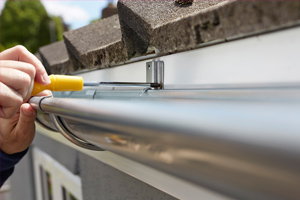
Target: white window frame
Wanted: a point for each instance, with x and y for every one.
(60, 177)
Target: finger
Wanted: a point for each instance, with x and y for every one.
(17, 80)
(27, 115)
(41, 94)
(20, 53)
(10, 101)
(45, 93)
(21, 66)
(26, 120)
(25, 128)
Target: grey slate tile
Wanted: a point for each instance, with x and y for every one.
(97, 45)
(55, 58)
(110, 10)
(170, 27)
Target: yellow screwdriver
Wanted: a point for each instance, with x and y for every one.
(75, 83)
(59, 83)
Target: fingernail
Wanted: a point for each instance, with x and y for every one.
(46, 78)
(26, 110)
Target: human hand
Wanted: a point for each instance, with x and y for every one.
(19, 69)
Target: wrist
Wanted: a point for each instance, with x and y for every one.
(11, 150)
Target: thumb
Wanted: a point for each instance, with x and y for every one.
(27, 117)
(24, 130)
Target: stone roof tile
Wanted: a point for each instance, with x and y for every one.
(170, 27)
(97, 45)
(165, 26)
(55, 58)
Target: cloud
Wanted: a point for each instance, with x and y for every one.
(69, 13)
(74, 13)
(2, 2)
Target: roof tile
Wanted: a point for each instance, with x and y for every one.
(170, 27)
(97, 45)
(55, 58)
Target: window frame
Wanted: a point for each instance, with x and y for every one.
(61, 177)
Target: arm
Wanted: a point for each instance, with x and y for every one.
(8, 162)
(18, 71)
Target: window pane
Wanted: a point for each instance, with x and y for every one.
(49, 185)
(72, 197)
(64, 192)
(46, 184)
(67, 195)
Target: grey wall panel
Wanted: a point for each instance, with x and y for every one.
(99, 181)
(22, 180)
(103, 182)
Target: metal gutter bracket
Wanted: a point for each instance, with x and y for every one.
(154, 75)
(155, 72)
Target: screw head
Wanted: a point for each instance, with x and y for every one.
(184, 2)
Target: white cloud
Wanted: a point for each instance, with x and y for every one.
(69, 13)
(74, 13)
(2, 2)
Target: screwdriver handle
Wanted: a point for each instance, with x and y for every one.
(59, 83)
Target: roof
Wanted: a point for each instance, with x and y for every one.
(164, 27)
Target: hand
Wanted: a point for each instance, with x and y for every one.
(18, 71)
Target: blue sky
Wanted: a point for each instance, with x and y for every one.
(76, 13)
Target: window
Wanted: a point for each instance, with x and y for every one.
(46, 184)
(54, 181)
(67, 195)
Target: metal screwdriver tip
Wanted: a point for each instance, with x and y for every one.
(91, 83)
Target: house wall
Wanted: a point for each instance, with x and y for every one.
(99, 180)
(22, 182)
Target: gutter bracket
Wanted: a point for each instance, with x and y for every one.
(155, 72)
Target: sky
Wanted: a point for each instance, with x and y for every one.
(76, 13)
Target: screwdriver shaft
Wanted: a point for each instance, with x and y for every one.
(119, 84)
